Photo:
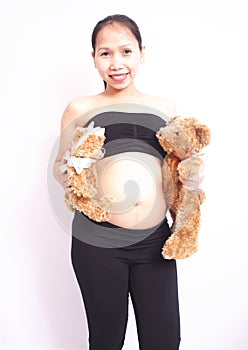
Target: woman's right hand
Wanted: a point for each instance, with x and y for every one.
(61, 176)
(64, 182)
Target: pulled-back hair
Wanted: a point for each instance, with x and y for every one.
(121, 19)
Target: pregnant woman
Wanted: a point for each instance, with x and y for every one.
(131, 172)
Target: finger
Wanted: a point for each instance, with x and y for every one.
(68, 189)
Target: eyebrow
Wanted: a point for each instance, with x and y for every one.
(121, 46)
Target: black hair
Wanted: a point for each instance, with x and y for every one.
(121, 19)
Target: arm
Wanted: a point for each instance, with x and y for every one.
(68, 124)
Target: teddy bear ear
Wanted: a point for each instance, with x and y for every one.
(175, 118)
(203, 134)
(175, 122)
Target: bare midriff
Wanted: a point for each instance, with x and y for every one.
(134, 179)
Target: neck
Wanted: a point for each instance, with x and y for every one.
(129, 93)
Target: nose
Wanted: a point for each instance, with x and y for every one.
(116, 63)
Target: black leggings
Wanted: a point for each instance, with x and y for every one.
(106, 276)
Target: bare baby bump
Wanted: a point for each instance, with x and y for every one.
(134, 179)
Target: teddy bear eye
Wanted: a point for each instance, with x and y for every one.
(177, 133)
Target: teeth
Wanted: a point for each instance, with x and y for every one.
(119, 77)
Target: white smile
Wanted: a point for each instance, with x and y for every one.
(119, 77)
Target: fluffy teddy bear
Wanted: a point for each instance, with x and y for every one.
(86, 149)
(182, 139)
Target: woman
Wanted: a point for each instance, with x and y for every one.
(132, 174)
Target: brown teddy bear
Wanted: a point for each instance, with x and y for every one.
(86, 149)
(182, 139)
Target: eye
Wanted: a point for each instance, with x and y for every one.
(127, 51)
(105, 53)
(177, 133)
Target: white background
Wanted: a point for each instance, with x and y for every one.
(196, 55)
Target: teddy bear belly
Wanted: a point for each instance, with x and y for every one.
(134, 179)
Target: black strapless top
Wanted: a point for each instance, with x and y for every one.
(130, 132)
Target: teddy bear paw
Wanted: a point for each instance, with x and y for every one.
(176, 253)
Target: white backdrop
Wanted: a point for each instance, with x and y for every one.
(196, 55)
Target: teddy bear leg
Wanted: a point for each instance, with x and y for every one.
(180, 246)
(184, 240)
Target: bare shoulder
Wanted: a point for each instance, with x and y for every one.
(75, 114)
(76, 110)
(165, 105)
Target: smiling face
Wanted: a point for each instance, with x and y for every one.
(117, 56)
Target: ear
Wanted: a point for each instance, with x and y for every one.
(142, 56)
(203, 134)
(93, 55)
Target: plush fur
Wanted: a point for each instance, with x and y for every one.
(81, 195)
(182, 139)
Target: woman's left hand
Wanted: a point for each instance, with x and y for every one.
(191, 185)
(191, 173)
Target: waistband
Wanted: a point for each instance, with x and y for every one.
(108, 235)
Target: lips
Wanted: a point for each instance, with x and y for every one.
(119, 77)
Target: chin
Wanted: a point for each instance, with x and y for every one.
(123, 87)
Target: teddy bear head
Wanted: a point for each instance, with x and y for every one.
(86, 144)
(183, 137)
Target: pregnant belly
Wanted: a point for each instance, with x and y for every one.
(135, 181)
